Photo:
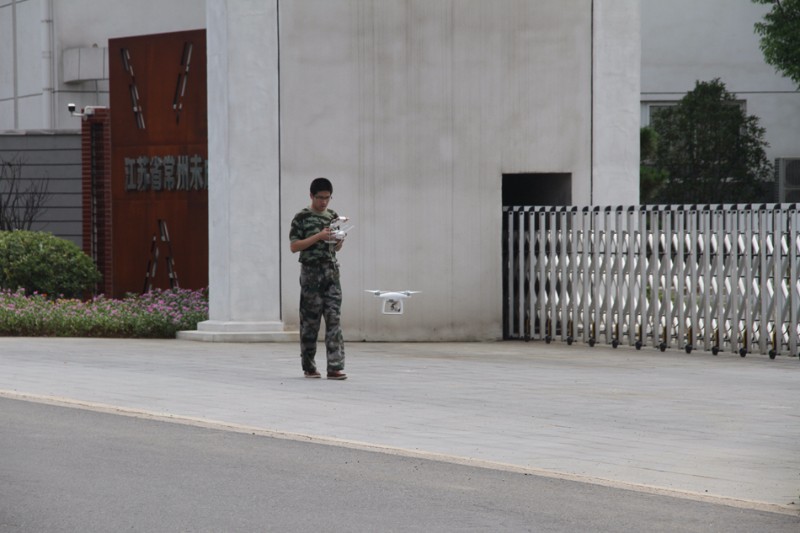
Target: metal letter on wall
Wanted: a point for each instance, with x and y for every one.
(159, 139)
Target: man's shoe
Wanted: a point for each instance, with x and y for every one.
(337, 374)
(312, 374)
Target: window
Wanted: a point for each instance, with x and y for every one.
(649, 109)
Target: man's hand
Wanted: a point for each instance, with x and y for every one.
(324, 235)
(299, 246)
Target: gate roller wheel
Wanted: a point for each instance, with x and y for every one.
(742, 352)
(663, 346)
(548, 339)
(591, 342)
(614, 343)
(569, 341)
(638, 345)
(715, 350)
(688, 348)
(772, 354)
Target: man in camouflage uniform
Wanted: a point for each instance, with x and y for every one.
(320, 291)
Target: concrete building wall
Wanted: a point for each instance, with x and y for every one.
(415, 110)
(686, 41)
(615, 117)
(36, 65)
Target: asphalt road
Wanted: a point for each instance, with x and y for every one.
(68, 470)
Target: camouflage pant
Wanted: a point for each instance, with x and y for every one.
(320, 296)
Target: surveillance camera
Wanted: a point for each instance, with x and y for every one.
(71, 108)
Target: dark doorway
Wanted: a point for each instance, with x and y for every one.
(537, 189)
(550, 189)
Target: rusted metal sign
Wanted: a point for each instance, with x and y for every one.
(159, 165)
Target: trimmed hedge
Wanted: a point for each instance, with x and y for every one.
(41, 263)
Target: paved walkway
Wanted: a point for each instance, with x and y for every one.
(718, 428)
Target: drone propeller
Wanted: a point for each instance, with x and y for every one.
(395, 293)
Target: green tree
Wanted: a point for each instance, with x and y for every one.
(651, 179)
(780, 37)
(710, 150)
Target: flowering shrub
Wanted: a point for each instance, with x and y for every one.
(156, 314)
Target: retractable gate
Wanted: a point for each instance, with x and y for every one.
(720, 278)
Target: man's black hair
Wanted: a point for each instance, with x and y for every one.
(321, 184)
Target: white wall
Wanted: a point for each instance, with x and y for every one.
(415, 110)
(685, 41)
(76, 23)
(20, 47)
(244, 167)
(616, 114)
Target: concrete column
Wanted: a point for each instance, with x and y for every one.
(616, 94)
(244, 174)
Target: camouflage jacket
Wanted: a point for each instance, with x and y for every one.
(307, 223)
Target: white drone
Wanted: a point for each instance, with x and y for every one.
(393, 300)
(338, 233)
